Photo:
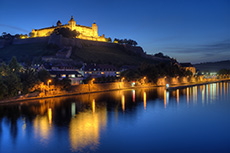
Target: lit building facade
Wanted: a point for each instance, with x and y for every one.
(100, 70)
(85, 32)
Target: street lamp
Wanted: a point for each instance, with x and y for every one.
(92, 80)
(48, 82)
(144, 80)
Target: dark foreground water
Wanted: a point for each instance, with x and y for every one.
(195, 119)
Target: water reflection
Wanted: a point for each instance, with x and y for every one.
(86, 117)
(144, 99)
(84, 129)
(42, 129)
(177, 96)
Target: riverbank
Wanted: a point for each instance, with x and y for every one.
(106, 87)
(178, 86)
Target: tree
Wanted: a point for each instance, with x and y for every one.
(3, 89)
(14, 65)
(109, 39)
(13, 83)
(66, 32)
(43, 75)
(4, 69)
(31, 34)
(65, 83)
(29, 78)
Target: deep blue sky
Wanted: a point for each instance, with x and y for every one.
(188, 30)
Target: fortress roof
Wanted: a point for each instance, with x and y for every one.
(54, 27)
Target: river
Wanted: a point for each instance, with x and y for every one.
(192, 119)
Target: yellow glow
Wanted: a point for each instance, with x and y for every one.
(220, 88)
(50, 116)
(134, 96)
(144, 99)
(42, 128)
(165, 98)
(196, 93)
(203, 94)
(177, 95)
(84, 129)
(217, 90)
(187, 95)
(93, 106)
(224, 88)
(123, 102)
(227, 87)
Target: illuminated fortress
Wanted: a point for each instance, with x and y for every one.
(88, 33)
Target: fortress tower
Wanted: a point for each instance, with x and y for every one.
(72, 23)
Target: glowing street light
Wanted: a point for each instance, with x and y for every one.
(48, 82)
(92, 80)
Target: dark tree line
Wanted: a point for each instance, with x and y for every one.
(153, 72)
(66, 32)
(125, 41)
(223, 71)
(15, 80)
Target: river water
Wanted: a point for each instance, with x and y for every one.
(193, 119)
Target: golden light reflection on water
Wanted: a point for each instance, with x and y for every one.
(93, 106)
(50, 115)
(134, 96)
(177, 96)
(217, 90)
(84, 129)
(224, 88)
(166, 98)
(123, 102)
(86, 124)
(187, 95)
(227, 89)
(203, 94)
(144, 99)
(221, 89)
(42, 128)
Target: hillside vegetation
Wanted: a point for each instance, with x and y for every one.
(25, 52)
(118, 55)
(115, 54)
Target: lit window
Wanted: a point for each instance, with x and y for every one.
(118, 72)
(90, 72)
(72, 75)
(102, 73)
(63, 75)
(85, 72)
(53, 76)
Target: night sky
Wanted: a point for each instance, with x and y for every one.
(188, 30)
